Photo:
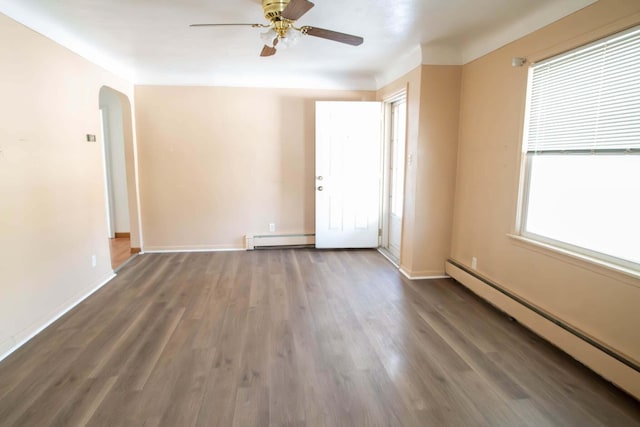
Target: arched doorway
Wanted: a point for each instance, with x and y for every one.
(119, 176)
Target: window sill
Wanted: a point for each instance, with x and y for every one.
(627, 275)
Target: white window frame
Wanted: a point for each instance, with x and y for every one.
(577, 252)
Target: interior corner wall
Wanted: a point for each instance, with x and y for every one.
(217, 163)
(52, 209)
(600, 302)
(433, 101)
(436, 168)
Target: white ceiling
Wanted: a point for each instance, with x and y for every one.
(150, 41)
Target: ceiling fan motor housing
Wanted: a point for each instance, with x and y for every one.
(273, 8)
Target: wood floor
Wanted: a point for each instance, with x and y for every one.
(120, 249)
(294, 338)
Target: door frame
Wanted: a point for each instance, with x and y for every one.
(106, 157)
(385, 201)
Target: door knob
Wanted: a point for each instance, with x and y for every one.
(319, 178)
(320, 188)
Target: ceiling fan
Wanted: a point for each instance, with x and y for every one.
(282, 32)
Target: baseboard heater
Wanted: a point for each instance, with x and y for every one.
(266, 241)
(572, 330)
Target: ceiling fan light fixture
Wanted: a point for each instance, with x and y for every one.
(282, 31)
(268, 37)
(290, 39)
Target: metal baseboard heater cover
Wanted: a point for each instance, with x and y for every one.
(257, 241)
(572, 330)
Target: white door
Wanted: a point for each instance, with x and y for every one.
(396, 174)
(348, 146)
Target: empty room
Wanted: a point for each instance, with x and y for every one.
(416, 213)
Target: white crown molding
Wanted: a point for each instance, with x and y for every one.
(529, 23)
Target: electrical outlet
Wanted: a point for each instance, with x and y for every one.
(94, 261)
(272, 227)
(474, 263)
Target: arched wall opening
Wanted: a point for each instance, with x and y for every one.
(119, 167)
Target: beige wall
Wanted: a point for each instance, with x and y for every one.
(218, 163)
(600, 302)
(52, 209)
(436, 163)
(433, 100)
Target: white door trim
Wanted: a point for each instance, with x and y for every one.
(385, 202)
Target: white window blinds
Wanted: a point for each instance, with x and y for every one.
(587, 99)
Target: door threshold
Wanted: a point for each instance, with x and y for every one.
(392, 259)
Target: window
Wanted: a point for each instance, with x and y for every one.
(582, 148)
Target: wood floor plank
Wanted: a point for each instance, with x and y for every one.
(251, 407)
(392, 332)
(295, 338)
(474, 356)
(255, 363)
(20, 402)
(138, 372)
(496, 409)
(184, 404)
(88, 397)
(219, 396)
(120, 351)
(18, 369)
(121, 405)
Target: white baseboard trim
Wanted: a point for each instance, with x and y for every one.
(411, 277)
(191, 250)
(605, 365)
(22, 342)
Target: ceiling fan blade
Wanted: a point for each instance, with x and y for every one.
(333, 35)
(228, 25)
(295, 9)
(268, 51)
